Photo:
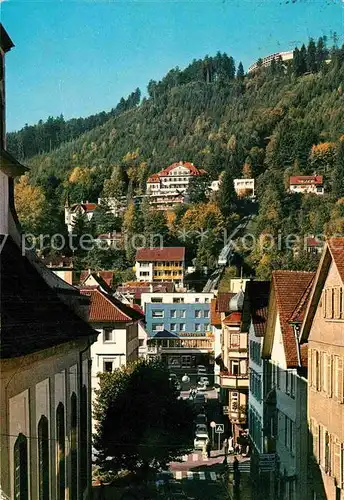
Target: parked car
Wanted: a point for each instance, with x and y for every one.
(200, 441)
(204, 380)
(201, 419)
(201, 428)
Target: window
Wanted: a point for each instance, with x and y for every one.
(173, 327)
(43, 458)
(235, 340)
(173, 313)
(182, 313)
(158, 313)
(144, 273)
(108, 366)
(157, 327)
(197, 327)
(197, 299)
(20, 468)
(186, 361)
(141, 342)
(73, 446)
(109, 335)
(178, 300)
(234, 401)
(206, 314)
(60, 458)
(290, 383)
(156, 300)
(182, 327)
(206, 327)
(289, 439)
(206, 300)
(235, 367)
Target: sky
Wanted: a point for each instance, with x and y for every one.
(80, 57)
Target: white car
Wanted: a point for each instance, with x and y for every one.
(200, 441)
(204, 380)
(201, 428)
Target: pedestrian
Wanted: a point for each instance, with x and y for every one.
(230, 445)
(208, 448)
(235, 464)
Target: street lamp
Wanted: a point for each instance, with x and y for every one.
(185, 379)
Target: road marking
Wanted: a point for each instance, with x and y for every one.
(201, 476)
(213, 476)
(179, 475)
(189, 474)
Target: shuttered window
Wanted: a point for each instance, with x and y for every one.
(317, 370)
(61, 450)
(20, 468)
(329, 375)
(337, 298)
(340, 380)
(43, 458)
(336, 459)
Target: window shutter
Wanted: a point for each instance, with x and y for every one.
(324, 302)
(310, 367)
(336, 459)
(329, 375)
(337, 298)
(341, 302)
(316, 442)
(340, 380)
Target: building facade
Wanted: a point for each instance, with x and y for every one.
(285, 384)
(323, 329)
(161, 265)
(45, 405)
(168, 187)
(267, 60)
(186, 318)
(87, 209)
(244, 188)
(307, 184)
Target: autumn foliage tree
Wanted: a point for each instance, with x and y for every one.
(29, 201)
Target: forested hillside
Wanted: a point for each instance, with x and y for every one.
(278, 121)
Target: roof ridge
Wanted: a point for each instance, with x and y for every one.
(107, 297)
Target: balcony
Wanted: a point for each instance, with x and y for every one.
(232, 381)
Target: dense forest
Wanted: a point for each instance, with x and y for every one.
(277, 121)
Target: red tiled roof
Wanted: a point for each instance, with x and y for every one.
(336, 247)
(88, 207)
(314, 242)
(215, 316)
(223, 300)
(306, 179)
(258, 295)
(300, 309)
(160, 254)
(290, 286)
(153, 178)
(233, 318)
(138, 309)
(106, 309)
(138, 288)
(190, 166)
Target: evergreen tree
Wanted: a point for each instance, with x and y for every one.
(240, 71)
(227, 195)
(311, 57)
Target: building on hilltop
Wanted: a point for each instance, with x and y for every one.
(267, 60)
(285, 388)
(306, 184)
(161, 264)
(244, 188)
(168, 187)
(323, 330)
(45, 406)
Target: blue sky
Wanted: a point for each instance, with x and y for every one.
(80, 58)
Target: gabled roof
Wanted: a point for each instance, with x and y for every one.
(137, 288)
(87, 207)
(10, 166)
(104, 308)
(160, 254)
(5, 40)
(306, 180)
(258, 293)
(33, 317)
(102, 278)
(193, 170)
(332, 253)
(223, 300)
(289, 288)
(233, 318)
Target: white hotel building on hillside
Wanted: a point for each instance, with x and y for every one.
(266, 61)
(169, 186)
